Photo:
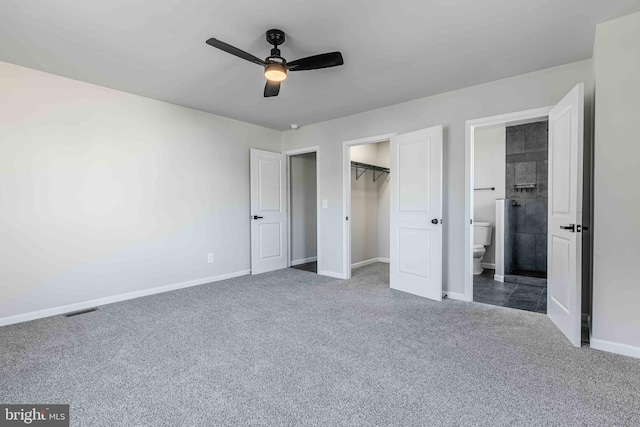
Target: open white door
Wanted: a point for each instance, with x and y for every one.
(565, 214)
(416, 213)
(268, 212)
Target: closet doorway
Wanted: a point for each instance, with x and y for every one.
(303, 210)
(368, 203)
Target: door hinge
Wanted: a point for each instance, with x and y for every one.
(347, 219)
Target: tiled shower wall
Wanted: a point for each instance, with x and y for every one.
(527, 151)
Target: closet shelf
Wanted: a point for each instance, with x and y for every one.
(367, 167)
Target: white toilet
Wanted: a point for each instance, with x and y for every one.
(482, 232)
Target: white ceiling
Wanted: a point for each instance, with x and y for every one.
(394, 51)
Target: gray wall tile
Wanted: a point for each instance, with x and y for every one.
(536, 155)
(508, 253)
(508, 216)
(519, 217)
(526, 163)
(515, 140)
(536, 216)
(541, 252)
(531, 194)
(514, 158)
(536, 136)
(525, 173)
(511, 225)
(524, 250)
(510, 180)
(542, 179)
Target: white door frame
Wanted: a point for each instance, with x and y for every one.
(346, 195)
(289, 154)
(509, 119)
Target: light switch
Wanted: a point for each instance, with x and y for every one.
(324, 204)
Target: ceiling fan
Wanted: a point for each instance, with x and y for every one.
(275, 66)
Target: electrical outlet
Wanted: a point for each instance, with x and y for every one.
(210, 258)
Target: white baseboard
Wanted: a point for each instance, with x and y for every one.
(498, 278)
(54, 311)
(369, 261)
(489, 265)
(363, 263)
(454, 295)
(304, 260)
(614, 347)
(330, 274)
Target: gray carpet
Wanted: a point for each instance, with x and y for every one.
(295, 348)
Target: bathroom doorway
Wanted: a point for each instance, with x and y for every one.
(569, 187)
(490, 188)
(510, 215)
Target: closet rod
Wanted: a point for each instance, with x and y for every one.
(485, 188)
(365, 167)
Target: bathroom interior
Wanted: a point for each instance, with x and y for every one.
(510, 216)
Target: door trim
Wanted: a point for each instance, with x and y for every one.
(346, 195)
(509, 119)
(289, 154)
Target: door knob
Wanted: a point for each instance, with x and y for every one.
(434, 221)
(257, 217)
(570, 227)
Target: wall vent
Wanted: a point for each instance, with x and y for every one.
(77, 313)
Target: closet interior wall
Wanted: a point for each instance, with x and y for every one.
(370, 206)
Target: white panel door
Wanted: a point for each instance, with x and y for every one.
(416, 213)
(565, 214)
(268, 212)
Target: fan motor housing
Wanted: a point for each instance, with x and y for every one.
(275, 37)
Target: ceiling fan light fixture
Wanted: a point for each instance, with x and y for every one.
(275, 67)
(275, 72)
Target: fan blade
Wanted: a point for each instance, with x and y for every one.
(324, 60)
(235, 51)
(271, 89)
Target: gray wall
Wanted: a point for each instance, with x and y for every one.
(527, 152)
(303, 210)
(105, 193)
(451, 109)
(616, 227)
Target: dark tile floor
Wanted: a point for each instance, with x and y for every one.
(513, 295)
(309, 266)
